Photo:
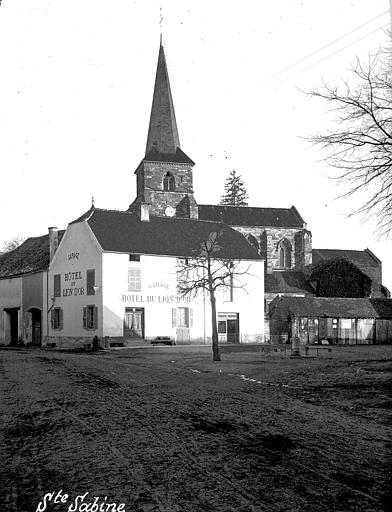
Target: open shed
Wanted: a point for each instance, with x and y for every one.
(335, 320)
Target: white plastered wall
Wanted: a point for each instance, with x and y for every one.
(158, 296)
(78, 252)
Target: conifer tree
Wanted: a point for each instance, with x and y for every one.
(235, 192)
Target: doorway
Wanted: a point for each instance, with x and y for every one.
(229, 327)
(12, 326)
(134, 323)
(35, 326)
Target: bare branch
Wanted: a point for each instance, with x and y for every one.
(13, 243)
(207, 272)
(361, 146)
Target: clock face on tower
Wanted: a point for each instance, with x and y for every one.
(170, 211)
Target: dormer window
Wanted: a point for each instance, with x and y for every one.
(169, 184)
(284, 253)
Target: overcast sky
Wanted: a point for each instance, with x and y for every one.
(76, 88)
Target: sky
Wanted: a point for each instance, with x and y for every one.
(76, 87)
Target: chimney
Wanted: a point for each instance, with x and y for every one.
(53, 241)
(145, 212)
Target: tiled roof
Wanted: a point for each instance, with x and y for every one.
(252, 216)
(118, 231)
(31, 256)
(332, 307)
(287, 281)
(360, 258)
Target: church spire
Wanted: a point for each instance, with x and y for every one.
(162, 131)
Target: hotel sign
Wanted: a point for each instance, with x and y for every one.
(72, 278)
(155, 299)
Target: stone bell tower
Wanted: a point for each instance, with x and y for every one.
(164, 176)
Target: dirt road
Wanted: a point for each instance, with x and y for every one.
(165, 429)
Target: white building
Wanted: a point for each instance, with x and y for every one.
(114, 276)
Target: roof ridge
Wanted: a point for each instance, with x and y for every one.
(114, 211)
(352, 250)
(244, 207)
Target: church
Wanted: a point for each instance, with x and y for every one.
(114, 274)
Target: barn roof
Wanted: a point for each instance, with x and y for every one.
(31, 256)
(252, 216)
(287, 281)
(331, 307)
(359, 258)
(119, 231)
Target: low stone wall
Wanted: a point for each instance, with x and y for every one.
(67, 343)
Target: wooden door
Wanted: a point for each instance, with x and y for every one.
(233, 330)
(303, 333)
(35, 319)
(313, 330)
(384, 331)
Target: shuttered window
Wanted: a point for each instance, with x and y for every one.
(90, 317)
(90, 282)
(57, 285)
(56, 318)
(134, 279)
(182, 317)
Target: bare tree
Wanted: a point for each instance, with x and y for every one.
(207, 271)
(13, 243)
(361, 146)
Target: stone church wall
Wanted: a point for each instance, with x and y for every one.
(269, 238)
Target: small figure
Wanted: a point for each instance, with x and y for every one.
(95, 344)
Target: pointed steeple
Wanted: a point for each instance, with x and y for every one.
(162, 132)
(165, 174)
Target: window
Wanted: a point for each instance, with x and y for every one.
(134, 257)
(222, 327)
(57, 285)
(134, 280)
(169, 184)
(252, 240)
(56, 318)
(91, 282)
(90, 317)
(284, 253)
(182, 317)
(228, 289)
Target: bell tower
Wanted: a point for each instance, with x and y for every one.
(164, 176)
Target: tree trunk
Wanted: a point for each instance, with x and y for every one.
(215, 343)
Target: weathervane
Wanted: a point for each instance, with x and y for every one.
(160, 22)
